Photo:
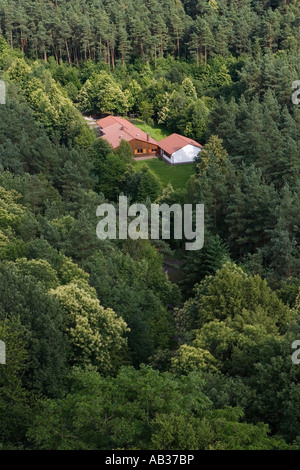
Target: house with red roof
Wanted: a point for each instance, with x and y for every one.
(176, 149)
(114, 129)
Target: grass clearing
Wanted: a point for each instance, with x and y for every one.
(156, 131)
(177, 175)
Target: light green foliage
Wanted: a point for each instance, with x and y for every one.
(11, 212)
(231, 291)
(85, 139)
(146, 111)
(132, 400)
(183, 113)
(69, 271)
(15, 220)
(189, 88)
(237, 316)
(219, 430)
(146, 410)
(156, 131)
(102, 93)
(191, 358)
(49, 103)
(40, 269)
(96, 333)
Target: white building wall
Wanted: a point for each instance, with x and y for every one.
(186, 154)
(165, 157)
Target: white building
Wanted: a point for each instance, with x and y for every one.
(176, 149)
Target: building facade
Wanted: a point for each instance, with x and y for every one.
(114, 129)
(174, 149)
(177, 149)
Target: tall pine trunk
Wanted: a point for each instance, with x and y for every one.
(68, 53)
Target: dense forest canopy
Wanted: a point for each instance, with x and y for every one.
(121, 31)
(105, 350)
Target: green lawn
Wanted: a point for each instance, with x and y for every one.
(177, 175)
(156, 131)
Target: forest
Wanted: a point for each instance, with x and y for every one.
(104, 348)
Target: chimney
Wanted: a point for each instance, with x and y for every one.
(148, 136)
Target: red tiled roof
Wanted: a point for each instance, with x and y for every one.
(175, 142)
(115, 128)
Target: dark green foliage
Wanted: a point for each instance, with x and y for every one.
(206, 261)
(82, 318)
(76, 31)
(15, 400)
(149, 185)
(147, 410)
(139, 292)
(42, 318)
